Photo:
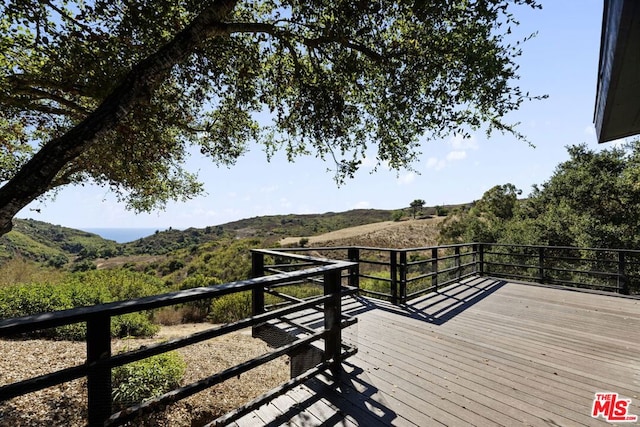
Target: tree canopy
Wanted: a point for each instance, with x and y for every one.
(117, 92)
(416, 206)
(591, 200)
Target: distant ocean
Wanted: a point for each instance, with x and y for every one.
(123, 235)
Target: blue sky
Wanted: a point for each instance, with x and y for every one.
(561, 62)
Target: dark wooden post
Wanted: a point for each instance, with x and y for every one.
(332, 319)
(623, 285)
(393, 274)
(403, 277)
(457, 261)
(434, 268)
(99, 376)
(480, 265)
(257, 293)
(541, 264)
(354, 272)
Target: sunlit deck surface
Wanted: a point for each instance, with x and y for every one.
(480, 353)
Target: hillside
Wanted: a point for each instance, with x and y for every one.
(59, 246)
(388, 234)
(268, 228)
(53, 244)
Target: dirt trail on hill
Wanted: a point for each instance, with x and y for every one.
(401, 234)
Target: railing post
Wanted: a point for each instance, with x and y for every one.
(457, 261)
(403, 277)
(623, 285)
(434, 268)
(480, 265)
(99, 376)
(354, 272)
(257, 293)
(332, 319)
(393, 274)
(541, 264)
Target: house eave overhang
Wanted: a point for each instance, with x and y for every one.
(617, 109)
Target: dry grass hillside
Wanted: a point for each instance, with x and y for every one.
(389, 234)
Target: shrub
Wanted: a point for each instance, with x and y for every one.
(442, 211)
(145, 379)
(79, 290)
(229, 308)
(84, 265)
(196, 311)
(133, 325)
(167, 316)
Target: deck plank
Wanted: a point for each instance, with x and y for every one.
(483, 352)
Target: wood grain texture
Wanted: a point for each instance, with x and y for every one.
(483, 352)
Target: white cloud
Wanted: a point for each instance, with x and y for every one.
(459, 149)
(459, 143)
(456, 155)
(434, 163)
(407, 178)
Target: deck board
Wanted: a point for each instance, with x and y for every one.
(480, 353)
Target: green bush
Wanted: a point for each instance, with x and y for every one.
(229, 308)
(133, 325)
(197, 311)
(80, 290)
(145, 379)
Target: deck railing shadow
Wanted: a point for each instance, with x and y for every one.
(352, 399)
(443, 305)
(437, 307)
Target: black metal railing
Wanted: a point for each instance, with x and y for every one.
(398, 275)
(100, 361)
(611, 270)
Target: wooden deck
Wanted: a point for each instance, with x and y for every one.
(481, 353)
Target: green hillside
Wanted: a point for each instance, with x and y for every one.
(54, 244)
(270, 228)
(59, 246)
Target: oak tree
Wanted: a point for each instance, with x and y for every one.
(416, 206)
(117, 92)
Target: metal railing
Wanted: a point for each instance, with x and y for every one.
(610, 270)
(398, 275)
(100, 361)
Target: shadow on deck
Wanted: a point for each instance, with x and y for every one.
(437, 307)
(481, 352)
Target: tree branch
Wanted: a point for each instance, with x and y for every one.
(69, 18)
(77, 111)
(278, 32)
(36, 176)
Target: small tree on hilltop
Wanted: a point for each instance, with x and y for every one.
(416, 206)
